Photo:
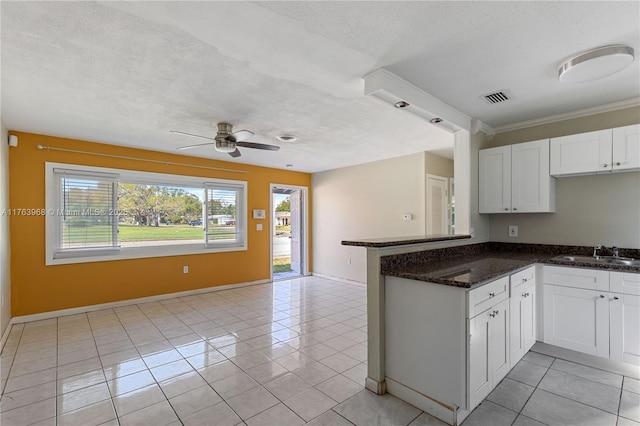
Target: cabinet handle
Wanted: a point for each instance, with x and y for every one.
(525, 294)
(524, 280)
(618, 163)
(506, 209)
(615, 297)
(515, 208)
(496, 312)
(492, 314)
(605, 165)
(492, 295)
(602, 296)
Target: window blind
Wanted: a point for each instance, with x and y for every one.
(86, 211)
(222, 216)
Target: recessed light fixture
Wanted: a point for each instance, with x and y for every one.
(401, 104)
(287, 138)
(596, 63)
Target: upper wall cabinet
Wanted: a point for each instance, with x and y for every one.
(515, 179)
(603, 151)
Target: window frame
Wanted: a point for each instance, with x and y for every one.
(52, 197)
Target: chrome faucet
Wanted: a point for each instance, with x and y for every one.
(595, 250)
(615, 251)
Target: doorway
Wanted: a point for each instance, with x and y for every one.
(437, 205)
(288, 231)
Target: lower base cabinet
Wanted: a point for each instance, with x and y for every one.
(488, 351)
(594, 312)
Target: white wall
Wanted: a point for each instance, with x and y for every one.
(364, 201)
(369, 200)
(5, 264)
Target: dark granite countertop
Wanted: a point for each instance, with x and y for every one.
(402, 241)
(474, 265)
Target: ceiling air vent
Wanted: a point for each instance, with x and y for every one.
(496, 97)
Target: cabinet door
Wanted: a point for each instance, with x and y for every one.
(626, 148)
(488, 351)
(584, 153)
(528, 323)
(522, 331)
(532, 188)
(494, 180)
(625, 328)
(499, 342)
(480, 369)
(577, 319)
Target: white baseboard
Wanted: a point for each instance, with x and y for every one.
(110, 305)
(342, 280)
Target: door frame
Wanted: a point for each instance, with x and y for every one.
(304, 226)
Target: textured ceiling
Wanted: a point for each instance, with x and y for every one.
(127, 73)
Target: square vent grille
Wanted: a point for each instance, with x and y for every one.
(495, 97)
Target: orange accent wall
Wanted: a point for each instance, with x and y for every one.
(37, 288)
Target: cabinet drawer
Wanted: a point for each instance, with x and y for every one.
(626, 283)
(482, 298)
(587, 279)
(523, 277)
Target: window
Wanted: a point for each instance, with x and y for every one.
(106, 214)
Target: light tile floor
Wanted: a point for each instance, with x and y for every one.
(285, 353)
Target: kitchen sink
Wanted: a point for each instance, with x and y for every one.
(607, 260)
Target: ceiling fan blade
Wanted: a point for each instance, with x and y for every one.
(191, 134)
(197, 145)
(240, 135)
(256, 145)
(235, 153)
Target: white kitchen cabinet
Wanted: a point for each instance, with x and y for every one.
(626, 148)
(593, 311)
(495, 180)
(522, 314)
(624, 331)
(602, 151)
(445, 347)
(516, 179)
(577, 319)
(488, 350)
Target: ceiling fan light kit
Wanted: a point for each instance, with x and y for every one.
(595, 64)
(228, 142)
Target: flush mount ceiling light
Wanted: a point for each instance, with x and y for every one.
(287, 138)
(596, 63)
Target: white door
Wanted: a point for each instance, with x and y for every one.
(626, 147)
(296, 216)
(530, 180)
(581, 153)
(479, 360)
(499, 342)
(437, 205)
(577, 319)
(625, 328)
(494, 180)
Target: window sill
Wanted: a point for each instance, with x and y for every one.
(145, 252)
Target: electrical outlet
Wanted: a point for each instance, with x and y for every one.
(185, 269)
(513, 230)
(258, 227)
(407, 216)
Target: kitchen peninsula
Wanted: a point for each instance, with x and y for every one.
(439, 315)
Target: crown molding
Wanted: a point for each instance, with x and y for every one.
(613, 106)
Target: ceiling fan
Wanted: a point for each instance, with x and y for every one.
(228, 141)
